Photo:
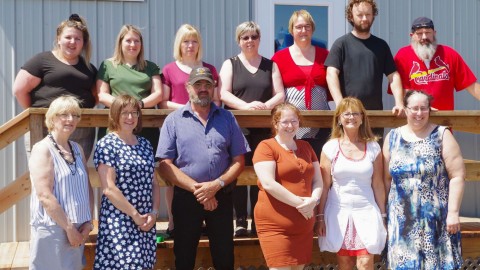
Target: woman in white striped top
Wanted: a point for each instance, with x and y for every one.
(61, 201)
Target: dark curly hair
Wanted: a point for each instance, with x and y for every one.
(351, 3)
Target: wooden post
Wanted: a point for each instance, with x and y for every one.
(36, 128)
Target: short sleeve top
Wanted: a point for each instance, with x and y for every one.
(58, 78)
(124, 79)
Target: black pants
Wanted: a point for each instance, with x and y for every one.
(320, 139)
(240, 194)
(188, 216)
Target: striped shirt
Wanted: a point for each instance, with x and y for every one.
(319, 102)
(70, 190)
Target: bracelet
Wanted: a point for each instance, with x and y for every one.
(319, 215)
(384, 215)
(154, 212)
(142, 105)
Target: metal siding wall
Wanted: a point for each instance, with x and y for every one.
(7, 42)
(27, 27)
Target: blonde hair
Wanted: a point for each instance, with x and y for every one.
(277, 114)
(300, 13)
(119, 103)
(118, 58)
(187, 31)
(62, 104)
(246, 27)
(80, 24)
(354, 104)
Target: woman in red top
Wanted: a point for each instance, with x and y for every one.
(304, 75)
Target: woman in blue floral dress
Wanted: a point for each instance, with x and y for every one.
(131, 195)
(425, 179)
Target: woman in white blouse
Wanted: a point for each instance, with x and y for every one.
(350, 218)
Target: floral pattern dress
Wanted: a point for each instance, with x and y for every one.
(120, 243)
(418, 206)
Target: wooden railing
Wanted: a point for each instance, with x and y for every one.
(33, 119)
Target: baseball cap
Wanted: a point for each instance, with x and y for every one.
(200, 73)
(422, 22)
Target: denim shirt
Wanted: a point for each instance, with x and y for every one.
(201, 152)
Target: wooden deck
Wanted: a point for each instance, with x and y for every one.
(248, 255)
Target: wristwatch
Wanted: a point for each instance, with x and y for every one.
(222, 183)
(155, 212)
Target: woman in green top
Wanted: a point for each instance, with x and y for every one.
(127, 72)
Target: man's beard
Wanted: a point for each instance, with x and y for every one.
(359, 28)
(426, 51)
(203, 102)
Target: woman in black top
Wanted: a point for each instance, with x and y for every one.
(249, 81)
(66, 70)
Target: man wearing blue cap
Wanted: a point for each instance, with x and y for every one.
(201, 148)
(433, 68)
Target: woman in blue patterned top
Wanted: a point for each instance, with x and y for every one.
(425, 177)
(131, 194)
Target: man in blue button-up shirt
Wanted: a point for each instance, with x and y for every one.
(201, 148)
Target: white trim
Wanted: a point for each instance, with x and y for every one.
(264, 15)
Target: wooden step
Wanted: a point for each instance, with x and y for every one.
(15, 255)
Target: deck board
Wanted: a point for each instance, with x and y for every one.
(7, 253)
(22, 256)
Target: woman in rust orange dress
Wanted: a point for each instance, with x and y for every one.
(290, 185)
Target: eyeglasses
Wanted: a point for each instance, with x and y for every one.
(134, 114)
(419, 109)
(307, 27)
(287, 123)
(199, 85)
(252, 37)
(347, 115)
(65, 116)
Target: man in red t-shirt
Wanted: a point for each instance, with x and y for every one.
(434, 68)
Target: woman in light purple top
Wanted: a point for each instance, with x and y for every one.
(187, 52)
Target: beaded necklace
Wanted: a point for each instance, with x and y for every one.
(71, 164)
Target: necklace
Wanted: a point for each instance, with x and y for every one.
(348, 146)
(71, 164)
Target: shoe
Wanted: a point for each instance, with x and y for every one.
(241, 227)
(170, 233)
(240, 231)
